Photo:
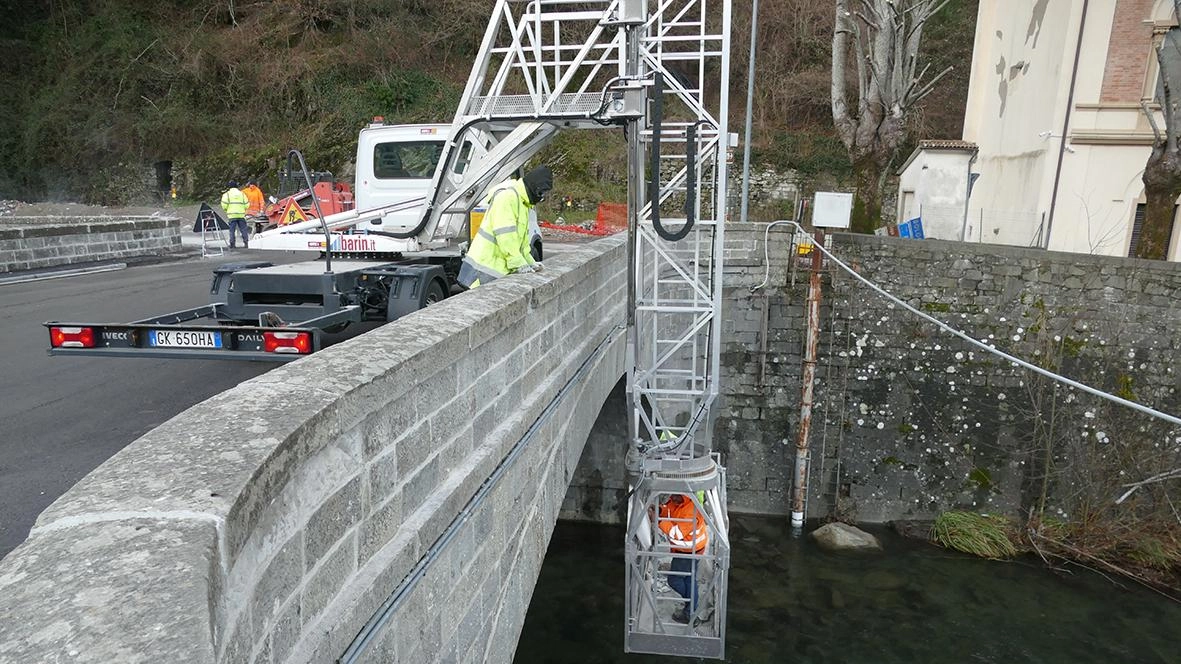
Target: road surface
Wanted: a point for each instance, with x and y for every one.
(60, 417)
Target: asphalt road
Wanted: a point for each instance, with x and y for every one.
(60, 417)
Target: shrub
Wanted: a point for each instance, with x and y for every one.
(981, 535)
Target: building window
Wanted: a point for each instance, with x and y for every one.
(1138, 223)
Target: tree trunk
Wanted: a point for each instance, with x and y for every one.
(867, 205)
(1162, 187)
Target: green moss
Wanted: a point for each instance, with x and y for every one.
(892, 460)
(905, 428)
(981, 478)
(1123, 387)
(941, 307)
(1072, 347)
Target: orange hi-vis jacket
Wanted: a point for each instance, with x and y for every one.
(684, 525)
(254, 200)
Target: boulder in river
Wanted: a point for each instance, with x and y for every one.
(843, 537)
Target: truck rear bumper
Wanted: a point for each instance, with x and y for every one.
(188, 335)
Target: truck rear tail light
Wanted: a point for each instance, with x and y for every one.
(287, 342)
(71, 337)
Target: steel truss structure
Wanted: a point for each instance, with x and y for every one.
(659, 69)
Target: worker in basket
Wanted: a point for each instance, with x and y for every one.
(501, 246)
(684, 526)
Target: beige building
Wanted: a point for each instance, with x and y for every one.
(1055, 108)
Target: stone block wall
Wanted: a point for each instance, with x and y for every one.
(29, 243)
(909, 420)
(419, 467)
(598, 489)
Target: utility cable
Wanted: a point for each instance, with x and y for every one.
(766, 253)
(989, 349)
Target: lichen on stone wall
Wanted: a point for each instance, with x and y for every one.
(909, 421)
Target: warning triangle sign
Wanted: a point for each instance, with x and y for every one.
(209, 219)
(292, 214)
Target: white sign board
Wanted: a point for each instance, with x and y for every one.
(831, 209)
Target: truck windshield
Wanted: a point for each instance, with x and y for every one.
(399, 161)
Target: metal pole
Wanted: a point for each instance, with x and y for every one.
(635, 203)
(1078, 50)
(750, 97)
(799, 498)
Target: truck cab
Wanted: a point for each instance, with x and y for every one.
(397, 162)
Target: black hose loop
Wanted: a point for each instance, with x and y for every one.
(654, 164)
(315, 203)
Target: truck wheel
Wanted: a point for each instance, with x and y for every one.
(435, 293)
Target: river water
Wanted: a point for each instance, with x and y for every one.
(790, 602)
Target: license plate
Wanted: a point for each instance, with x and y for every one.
(184, 339)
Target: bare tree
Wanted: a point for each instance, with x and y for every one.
(883, 36)
(1162, 173)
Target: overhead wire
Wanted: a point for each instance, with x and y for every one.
(986, 347)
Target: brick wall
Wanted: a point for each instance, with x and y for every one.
(29, 243)
(1128, 51)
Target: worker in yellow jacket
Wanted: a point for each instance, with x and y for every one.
(501, 246)
(234, 202)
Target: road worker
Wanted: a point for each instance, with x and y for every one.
(256, 207)
(501, 246)
(234, 202)
(256, 200)
(684, 526)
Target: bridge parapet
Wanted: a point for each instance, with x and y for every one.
(407, 479)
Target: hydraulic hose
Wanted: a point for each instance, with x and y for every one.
(654, 166)
(315, 203)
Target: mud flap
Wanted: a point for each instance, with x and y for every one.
(409, 287)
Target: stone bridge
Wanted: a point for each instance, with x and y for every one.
(389, 499)
(398, 490)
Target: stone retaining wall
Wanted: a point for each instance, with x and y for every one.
(30, 243)
(910, 421)
(271, 522)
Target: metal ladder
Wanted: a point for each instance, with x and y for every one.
(660, 69)
(210, 231)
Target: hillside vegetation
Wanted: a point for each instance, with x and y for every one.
(101, 91)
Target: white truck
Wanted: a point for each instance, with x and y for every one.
(378, 263)
(395, 165)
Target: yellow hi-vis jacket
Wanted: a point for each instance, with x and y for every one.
(234, 202)
(501, 246)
